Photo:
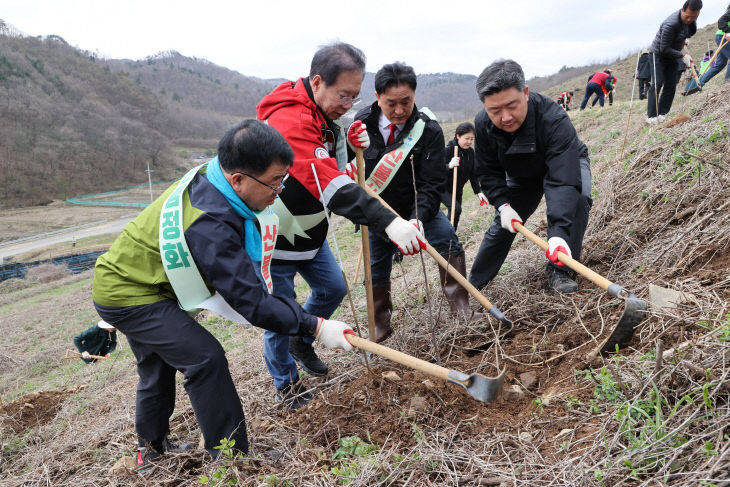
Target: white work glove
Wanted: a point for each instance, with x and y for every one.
(351, 170)
(357, 136)
(331, 334)
(687, 60)
(555, 245)
(406, 236)
(454, 162)
(85, 355)
(483, 201)
(507, 215)
(727, 36)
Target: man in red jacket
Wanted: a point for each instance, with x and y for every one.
(596, 85)
(305, 113)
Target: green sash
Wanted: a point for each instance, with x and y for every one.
(389, 164)
(181, 271)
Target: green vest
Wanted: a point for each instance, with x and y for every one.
(131, 272)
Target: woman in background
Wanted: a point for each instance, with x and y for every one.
(464, 140)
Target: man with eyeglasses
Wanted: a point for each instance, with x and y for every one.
(305, 112)
(205, 243)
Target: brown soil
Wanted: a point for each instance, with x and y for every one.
(34, 409)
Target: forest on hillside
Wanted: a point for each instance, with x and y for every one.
(70, 125)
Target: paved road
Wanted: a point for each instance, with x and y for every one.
(112, 226)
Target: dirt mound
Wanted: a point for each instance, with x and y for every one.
(47, 273)
(31, 410)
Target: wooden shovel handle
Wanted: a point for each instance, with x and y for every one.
(364, 232)
(441, 261)
(723, 41)
(453, 189)
(399, 357)
(78, 355)
(596, 278)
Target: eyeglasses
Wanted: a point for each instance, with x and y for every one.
(349, 100)
(275, 189)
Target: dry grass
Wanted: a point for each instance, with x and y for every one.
(660, 216)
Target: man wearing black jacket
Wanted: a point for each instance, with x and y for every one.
(401, 135)
(526, 146)
(666, 51)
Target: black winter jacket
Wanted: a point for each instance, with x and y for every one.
(96, 341)
(465, 173)
(724, 23)
(669, 40)
(428, 160)
(643, 71)
(545, 147)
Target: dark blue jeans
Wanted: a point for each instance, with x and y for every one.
(525, 195)
(592, 88)
(324, 277)
(164, 339)
(439, 233)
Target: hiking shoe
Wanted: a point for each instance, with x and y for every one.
(560, 280)
(652, 120)
(304, 354)
(661, 117)
(169, 446)
(146, 458)
(293, 396)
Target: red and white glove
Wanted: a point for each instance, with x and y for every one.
(483, 201)
(555, 245)
(85, 355)
(406, 236)
(331, 334)
(351, 170)
(687, 60)
(357, 136)
(727, 36)
(454, 162)
(418, 225)
(507, 215)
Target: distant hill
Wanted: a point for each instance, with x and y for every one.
(201, 98)
(70, 125)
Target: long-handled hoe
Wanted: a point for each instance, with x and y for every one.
(634, 308)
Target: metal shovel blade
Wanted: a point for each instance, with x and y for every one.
(634, 313)
(692, 91)
(481, 388)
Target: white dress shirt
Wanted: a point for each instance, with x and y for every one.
(384, 128)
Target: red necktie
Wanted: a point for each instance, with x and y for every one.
(391, 137)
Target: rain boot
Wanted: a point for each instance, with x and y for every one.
(456, 295)
(383, 310)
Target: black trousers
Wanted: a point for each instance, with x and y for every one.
(665, 80)
(644, 86)
(165, 339)
(446, 200)
(525, 195)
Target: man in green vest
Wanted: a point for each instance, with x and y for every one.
(402, 142)
(205, 243)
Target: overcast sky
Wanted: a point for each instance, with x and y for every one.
(277, 38)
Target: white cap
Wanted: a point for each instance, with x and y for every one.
(104, 325)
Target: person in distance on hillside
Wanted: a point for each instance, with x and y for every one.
(599, 83)
(99, 339)
(565, 99)
(643, 74)
(399, 135)
(305, 113)
(666, 51)
(205, 243)
(464, 140)
(609, 88)
(723, 57)
(526, 146)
